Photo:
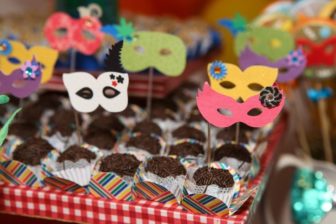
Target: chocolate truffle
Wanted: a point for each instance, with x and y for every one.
(75, 153)
(145, 142)
(63, 121)
(186, 131)
(229, 134)
(195, 115)
(236, 151)
(107, 123)
(162, 113)
(186, 149)
(101, 139)
(208, 176)
(50, 100)
(23, 130)
(128, 112)
(147, 127)
(32, 112)
(32, 151)
(165, 166)
(121, 164)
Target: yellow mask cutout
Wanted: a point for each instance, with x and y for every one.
(241, 84)
(44, 55)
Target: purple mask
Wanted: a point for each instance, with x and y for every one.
(18, 84)
(290, 67)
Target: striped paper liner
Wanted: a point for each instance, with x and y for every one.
(63, 184)
(111, 186)
(18, 173)
(154, 192)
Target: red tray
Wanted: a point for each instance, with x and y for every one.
(70, 207)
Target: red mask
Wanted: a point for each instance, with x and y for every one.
(64, 32)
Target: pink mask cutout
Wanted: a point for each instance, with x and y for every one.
(64, 32)
(209, 102)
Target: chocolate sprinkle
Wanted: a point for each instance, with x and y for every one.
(208, 176)
(75, 153)
(121, 164)
(32, 151)
(165, 166)
(238, 152)
(186, 149)
(24, 130)
(63, 121)
(186, 131)
(145, 142)
(147, 127)
(107, 123)
(101, 139)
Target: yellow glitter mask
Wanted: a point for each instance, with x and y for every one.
(229, 80)
(44, 55)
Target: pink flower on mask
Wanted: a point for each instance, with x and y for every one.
(31, 69)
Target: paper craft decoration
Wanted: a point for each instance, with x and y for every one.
(235, 25)
(5, 47)
(275, 20)
(122, 31)
(4, 99)
(328, 11)
(64, 32)
(22, 82)
(5, 127)
(316, 95)
(86, 92)
(164, 52)
(222, 111)
(290, 67)
(268, 42)
(241, 84)
(12, 61)
(92, 10)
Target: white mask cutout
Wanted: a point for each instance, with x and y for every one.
(86, 93)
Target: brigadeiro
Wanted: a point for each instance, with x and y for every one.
(186, 131)
(187, 148)
(147, 127)
(108, 123)
(102, 139)
(236, 156)
(163, 166)
(32, 151)
(120, 163)
(208, 176)
(146, 142)
(75, 153)
(23, 130)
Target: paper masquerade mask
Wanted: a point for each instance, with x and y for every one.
(18, 85)
(19, 54)
(317, 38)
(164, 52)
(257, 111)
(64, 32)
(268, 42)
(86, 92)
(241, 84)
(289, 67)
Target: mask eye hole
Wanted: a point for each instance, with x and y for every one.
(85, 93)
(225, 112)
(14, 60)
(61, 32)
(283, 70)
(110, 92)
(227, 85)
(88, 35)
(255, 86)
(165, 52)
(139, 49)
(254, 112)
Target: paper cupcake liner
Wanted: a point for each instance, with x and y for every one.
(78, 175)
(129, 122)
(60, 142)
(153, 187)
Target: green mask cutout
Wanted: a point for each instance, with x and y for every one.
(271, 43)
(4, 129)
(4, 99)
(164, 52)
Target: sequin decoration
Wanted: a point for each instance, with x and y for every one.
(311, 197)
(31, 69)
(270, 97)
(218, 70)
(296, 58)
(5, 47)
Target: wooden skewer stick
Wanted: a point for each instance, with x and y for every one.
(150, 92)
